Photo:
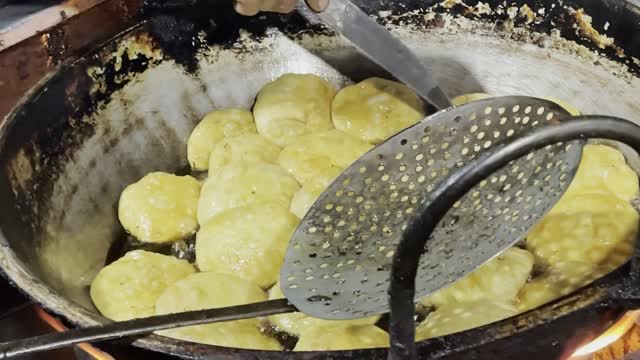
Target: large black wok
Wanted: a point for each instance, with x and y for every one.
(126, 107)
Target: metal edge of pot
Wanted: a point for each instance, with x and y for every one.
(592, 298)
(24, 63)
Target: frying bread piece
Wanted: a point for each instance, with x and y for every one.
(604, 170)
(457, 317)
(160, 207)
(587, 228)
(299, 323)
(589, 232)
(320, 157)
(248, 242)
(335, 337)
(304, 199)
(498, 280)
(293, 105)
(243, 183)
(215, 126)
(467, 98)
(559, 280)
(375, 109)
(128, 287)
(207, 290)
(565, 105)
(247, 147)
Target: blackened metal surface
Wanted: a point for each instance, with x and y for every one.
(176, 25)
(175, 21)
(24, 64)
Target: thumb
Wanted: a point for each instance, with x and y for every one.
(247, 8)
(284, 6)
(318, 5)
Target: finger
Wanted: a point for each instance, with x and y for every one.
(318, 5)
(281, 6)
(286, 6)
(247, 8)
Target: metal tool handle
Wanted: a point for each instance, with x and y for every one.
(380, 46)
(142, 326)
(407, 255)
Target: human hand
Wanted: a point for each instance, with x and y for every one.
(252, 7)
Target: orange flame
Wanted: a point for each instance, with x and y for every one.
(612, 334)
(95, 353)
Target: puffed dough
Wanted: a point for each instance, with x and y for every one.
(214, 127)
(244, 183)
(248, 242)
(587, 228)
(299, 323)
(128, 287)
(560, 279)
(457, 317)
(589, 232)
(498, 280)
(604, 170)
(320, 157)
(208, 290)
(333, 338)
(247, 147)
(293, 105)
(572, 110)
(304, 199)
(467, 98)
(375, 109)
(160, 207)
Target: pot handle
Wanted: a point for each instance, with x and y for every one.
(407, 256)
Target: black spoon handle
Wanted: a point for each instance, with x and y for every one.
(142, 326)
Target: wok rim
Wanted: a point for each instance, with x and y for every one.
(20, 277)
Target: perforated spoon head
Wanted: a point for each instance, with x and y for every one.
(338, 261)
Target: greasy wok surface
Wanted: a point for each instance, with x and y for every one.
(126, 109)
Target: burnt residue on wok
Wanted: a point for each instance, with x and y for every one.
(176, 25)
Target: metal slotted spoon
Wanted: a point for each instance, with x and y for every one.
(337, 265)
